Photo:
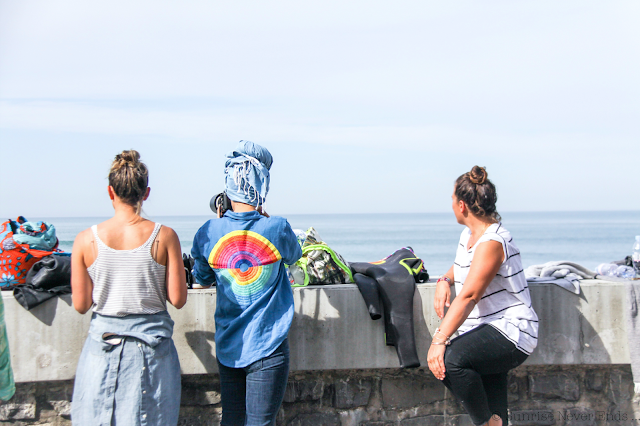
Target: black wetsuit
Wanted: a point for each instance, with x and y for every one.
(388, 288)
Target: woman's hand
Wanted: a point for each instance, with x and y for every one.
(435, 359)
(442, 298)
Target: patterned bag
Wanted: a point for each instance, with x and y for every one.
(15, 259)
(319, 264)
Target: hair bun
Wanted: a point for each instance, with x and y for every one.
(129, 158)
(478, 175)
(129, 178)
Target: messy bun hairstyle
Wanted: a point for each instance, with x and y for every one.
(478, 193)
(129, 178)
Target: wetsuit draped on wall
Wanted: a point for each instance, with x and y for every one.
(387, 287)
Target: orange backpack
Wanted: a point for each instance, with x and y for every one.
(15, 259)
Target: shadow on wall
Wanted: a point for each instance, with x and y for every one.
(332, 330)
(46, 311)
(203, 343)
(565, 335)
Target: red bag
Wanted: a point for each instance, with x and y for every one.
(15, 259)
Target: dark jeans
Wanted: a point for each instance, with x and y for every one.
(252, 395)
(476, 366)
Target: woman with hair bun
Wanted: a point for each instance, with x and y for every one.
(497, 327)
(126, 268)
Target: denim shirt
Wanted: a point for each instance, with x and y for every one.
(245, 254)
(128, 372)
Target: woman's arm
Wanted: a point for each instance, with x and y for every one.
(486, 262)
(443, 294)
(176, 279)
(81, 284)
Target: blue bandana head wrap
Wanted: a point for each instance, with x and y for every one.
(247, 173)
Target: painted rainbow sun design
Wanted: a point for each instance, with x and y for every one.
(247, 260)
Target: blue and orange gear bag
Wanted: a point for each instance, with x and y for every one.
(16, 259)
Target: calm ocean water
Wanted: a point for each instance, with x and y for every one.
(588, 238)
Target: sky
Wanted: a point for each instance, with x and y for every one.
(366, 106)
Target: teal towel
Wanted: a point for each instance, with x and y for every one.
(38, 235)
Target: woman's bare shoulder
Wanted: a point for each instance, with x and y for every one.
(84, 236)
(168, 237)
(167, 232)
(83, 241)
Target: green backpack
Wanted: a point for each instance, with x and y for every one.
(319, 264)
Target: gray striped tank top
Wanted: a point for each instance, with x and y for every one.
(127, 282)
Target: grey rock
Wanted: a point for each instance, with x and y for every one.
(22, 406)
(199, 395)
(555, 386)
(316, 419)
(199, 421)
(532, 418)
(453, 406)
(411, 392)
(580, 417)
(620, 387)
(351, 393)
(304, 390)
(18, 411)
(59, 397)
(423, 421)
(513, 389)
(595, 380)
(460, 420)
(63, 408)
(375, 423)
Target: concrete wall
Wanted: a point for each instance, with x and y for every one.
(331, 331)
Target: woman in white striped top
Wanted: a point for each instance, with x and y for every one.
(126, 268)
(497, 327)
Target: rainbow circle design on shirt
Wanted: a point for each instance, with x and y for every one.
(247, 260)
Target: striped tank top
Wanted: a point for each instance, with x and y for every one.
(127, 282)
(506, 303)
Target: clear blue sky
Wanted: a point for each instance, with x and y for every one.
(367, 106)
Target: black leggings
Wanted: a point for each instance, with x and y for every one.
(477, 364)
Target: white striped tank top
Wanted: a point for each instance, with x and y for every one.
(506, 303)
(127, 282)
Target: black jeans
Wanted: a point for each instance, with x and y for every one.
(476, 365)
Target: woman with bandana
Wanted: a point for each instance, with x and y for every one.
(244, 251)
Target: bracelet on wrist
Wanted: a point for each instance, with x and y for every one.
(445, 278)
(445, 342)
(438, 331)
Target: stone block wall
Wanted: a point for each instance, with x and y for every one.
(587, 395)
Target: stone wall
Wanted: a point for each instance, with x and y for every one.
(538, 395)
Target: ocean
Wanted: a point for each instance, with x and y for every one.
(587, 238)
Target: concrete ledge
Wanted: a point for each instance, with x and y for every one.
(331, 331)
